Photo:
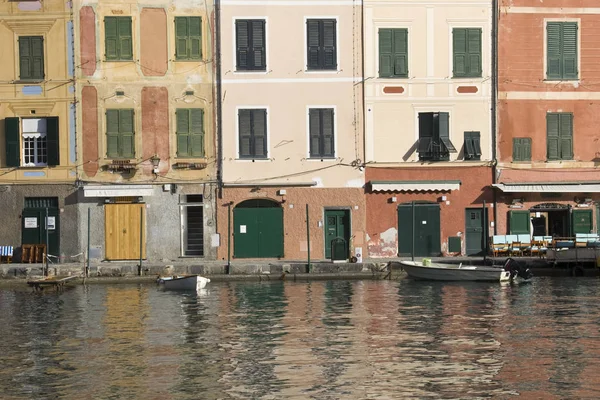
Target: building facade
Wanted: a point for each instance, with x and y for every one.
(291, 130)
(37, 133)
(145, 129)
(428, 127)
(548, 150)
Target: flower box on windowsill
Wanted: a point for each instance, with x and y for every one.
(189, 165)
(120, 166)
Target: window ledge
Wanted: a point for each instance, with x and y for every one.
(188, 60)
(28, 81)
(322, 71)
(254, 159)
(321, 159)
(251, 71)
(468, 77)
(120, 61)
(565, 81)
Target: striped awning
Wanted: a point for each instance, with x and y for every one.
(414, 186)
(549, 187)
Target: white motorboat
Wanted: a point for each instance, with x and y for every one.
(428, 270)
(183, 282)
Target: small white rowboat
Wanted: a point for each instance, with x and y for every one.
(183, 282)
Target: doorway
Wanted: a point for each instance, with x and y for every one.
(426, 229)
(475, 230)
(124, 234)
(36, 228)
(258, 229)
(337, 234)
(192, 225)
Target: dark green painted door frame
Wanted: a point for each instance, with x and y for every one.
(337, 226)
(474, 231)
(427, 234)
(37, 234)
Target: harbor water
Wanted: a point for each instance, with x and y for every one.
(303, 340)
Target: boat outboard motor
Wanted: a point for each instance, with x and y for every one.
(516, 269)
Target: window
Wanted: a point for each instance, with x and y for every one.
(36, 139)
(321, 44)
(31, 57)
(321, 132)
(190, 132)
(250, 45)
(434, 137)
(393, 53)
(119, 134)
(472, 149)
(466, 52)
(188, 36)
(521, 149)
(253, 133)
(559, 131)
(117, 38)
(561, 50)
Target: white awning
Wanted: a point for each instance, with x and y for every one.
(549, 187)
(117, 190)
(414, 186)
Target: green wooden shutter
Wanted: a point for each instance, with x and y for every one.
(111, 38)
(526, 143)
(519, 222)
(569, 50)
(552, 136)
(258, 45)
(329, 44)
(242, 44)
(313, 44)
(182, 116)
(521, 149)
(12, 138)
(472, 150)
(459, 52)
(195, 38)
(385, 53)
(327, 132)
(112, 133)
(245, 133)
(181, 38)
(444, 131)
(126, 134)
(474, 52)
(566, 136)
(425, 134)
(25, 58)
(400, 52)
(125, 39)
(553, 51)
(52, 141)
(314, 127)
(259, 133)
(197, 132)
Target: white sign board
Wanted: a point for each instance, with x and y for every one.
(31, 222)
(51, 223)
(242, 228)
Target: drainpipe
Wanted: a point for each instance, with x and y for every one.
(218, 88)
(495, 16)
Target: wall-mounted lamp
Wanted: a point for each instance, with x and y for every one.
(517, 201)
(155, 160)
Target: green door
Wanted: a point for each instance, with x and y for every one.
(426, 230)
(520, 222)
(582, 221)
(337, 234)
(34, 225)
(258, 229)
(475, 231)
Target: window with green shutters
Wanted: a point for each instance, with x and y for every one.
(466, 52)
(252, 131)
(120, 134)
(559, 136)
(321, 132)
(118, 40)
(519, 222)
(472, 147)
(188, 37)
(31, 142)
(521, 149)
(561, 51)
(434, 137)
(190, 132)
(251, 54)
(31, 57)
(393, 53)
(321, 44)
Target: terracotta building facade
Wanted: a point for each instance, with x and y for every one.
(548, 151)
(428, 127)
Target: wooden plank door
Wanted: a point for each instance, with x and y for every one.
(123, 223)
